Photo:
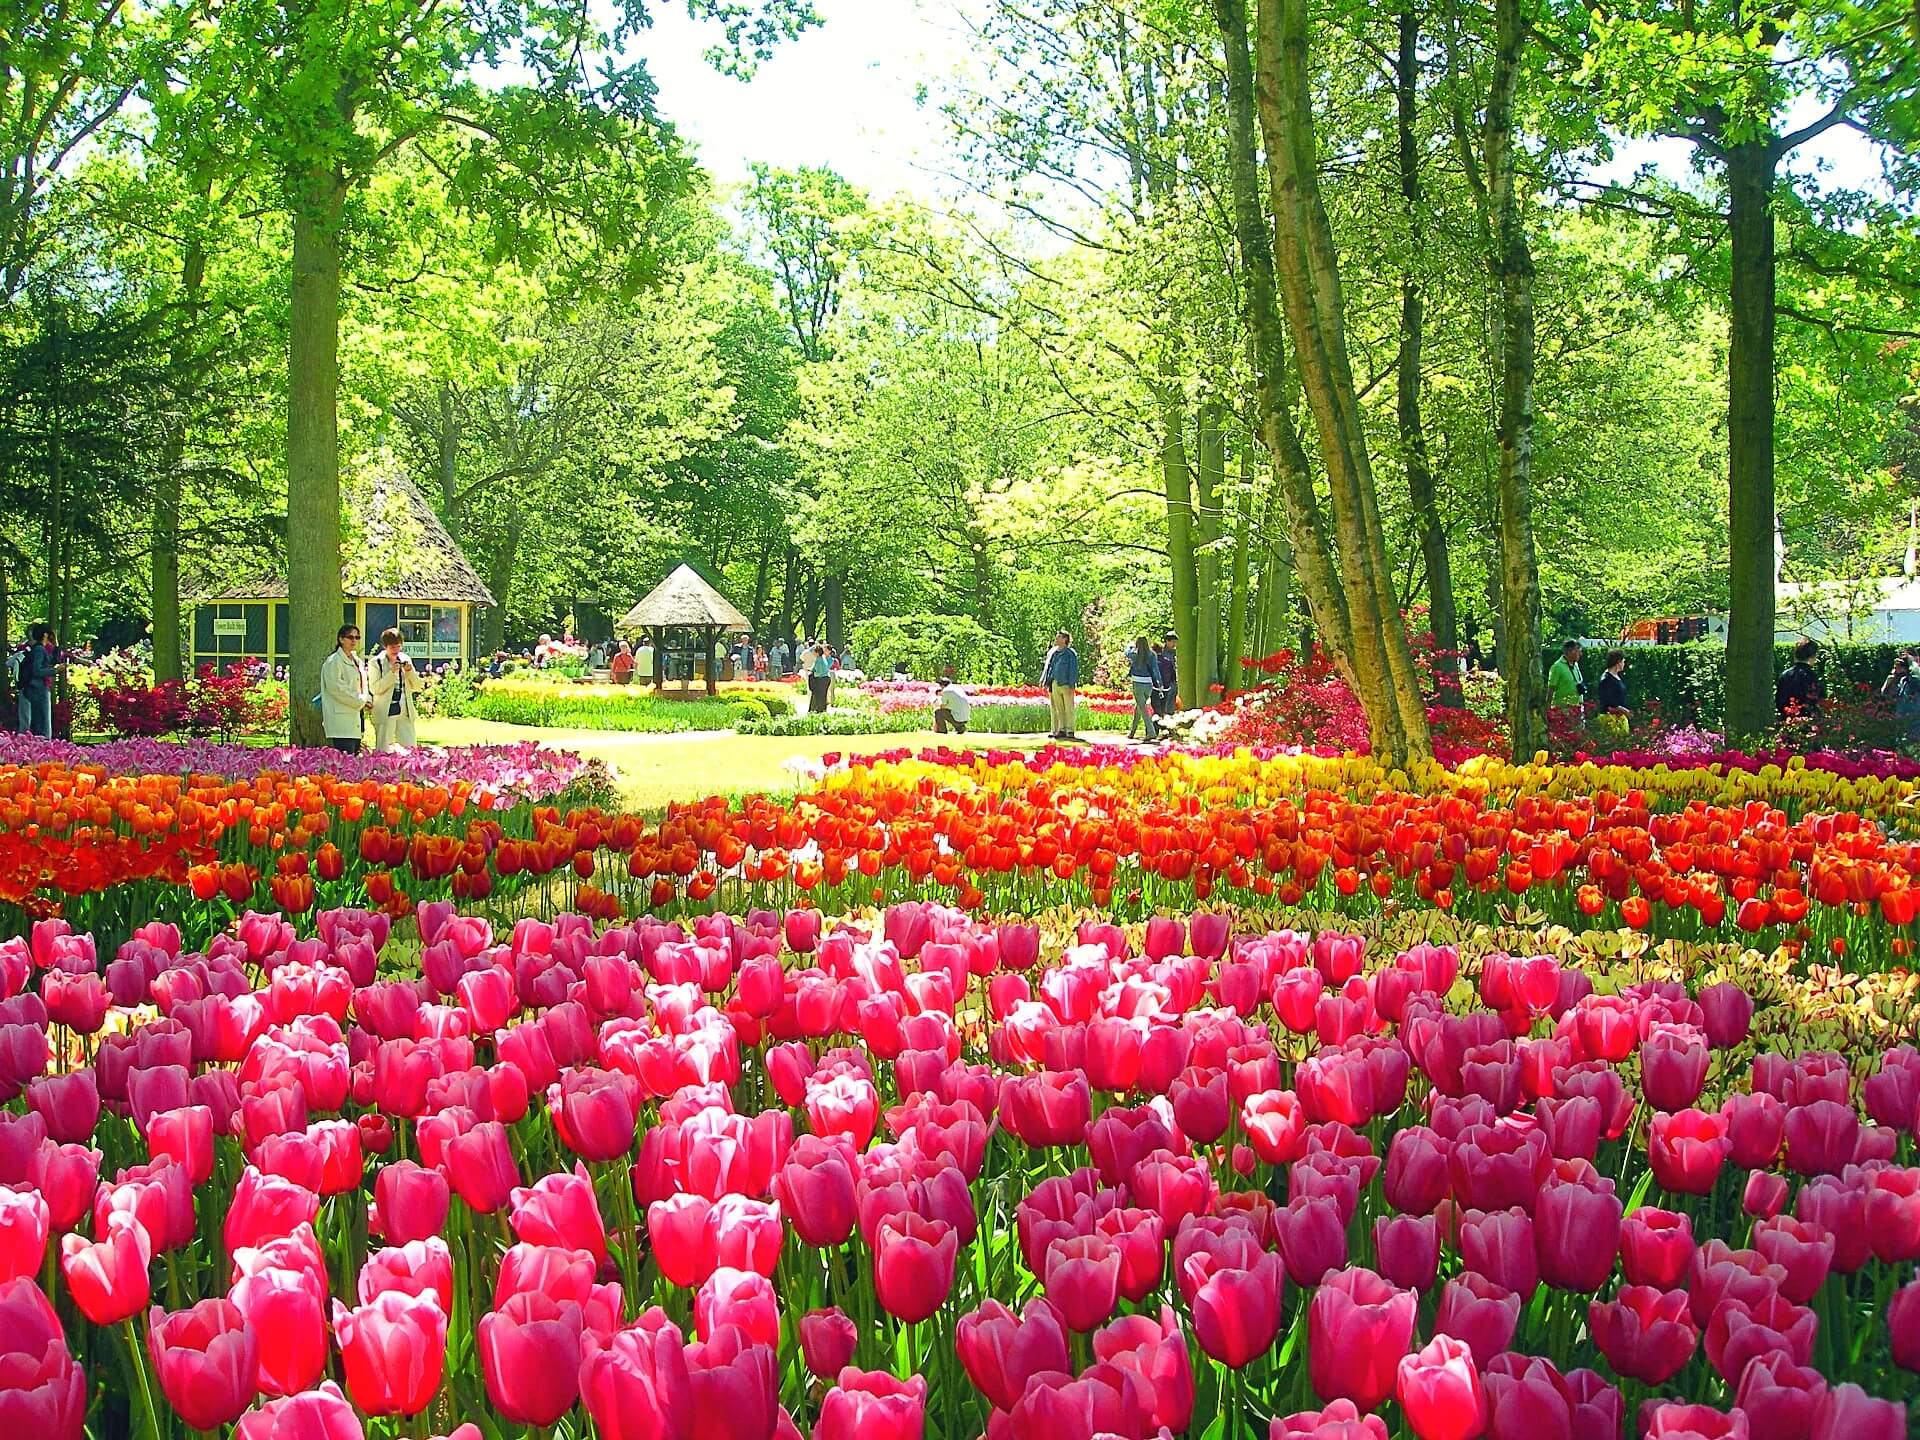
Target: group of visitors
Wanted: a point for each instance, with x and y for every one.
(31, 667)
(1153, 672)
(386, 690)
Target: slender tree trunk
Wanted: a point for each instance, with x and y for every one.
(56, 473)
(1177, 479)
(1512, 260)
(1750, 168)
(985, 600)
(1308, 277)
(1320, 582)
(789, 592)
(313, 448)
(447, 443)
(1212, 480)
(834, 598)
(1233, 677)
(761, 578)
(165, 548)
(1413, 438)
(501, 568)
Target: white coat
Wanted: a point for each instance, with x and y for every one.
(382, 676)
(343, 695)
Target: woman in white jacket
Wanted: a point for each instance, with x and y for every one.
(392, 684)
(343, 692)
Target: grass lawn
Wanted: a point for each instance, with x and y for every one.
(653, 770)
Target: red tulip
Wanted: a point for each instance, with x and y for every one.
(318, 1414)
(1903, 1325)
(1779, 1397)
(1500, 1246)
(1686, 1150)
(1673, 1066)
(1527, 1399)
(480, 1167)
(872, 1405)
(913, 1266)
(1719, 1274)
(1201, 1106)
(1341, 1420)
(1802, 1249)
(741, 1298)
(635, 1383)
(827, 1341)
(1646, 1334)
(1415, 1178)
(1656, 1247)
(1312, 1236)
(1048, 1109)
(1358, 1328)
(735, 1386)
(1479, 1313)
(69, 1104)
(1156, 1351)
(1765, 1194)
(1236, 1311)
(530, 1357)
(207, 1359)
(1407, 1250)
(159, 1194)
(410, 1202)
(1274, 1125)
(1082, 1278)
(1000, 1351)
(419, 1267)
(1846, 1412)
(266, 1207)
(184, 1136)
(393, 1351)
(561, 1210)
(1694, 1422)
(1756, 1126)
(108, 1278)
(1821, 1137)
(284, 1308)
(1576, 1231)
(24, 1226)
(1439, 1387)
(42, 1389)
(1140, 1238)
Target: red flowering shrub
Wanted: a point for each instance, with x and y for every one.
(213, 703)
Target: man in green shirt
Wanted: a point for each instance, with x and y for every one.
(1565, 684)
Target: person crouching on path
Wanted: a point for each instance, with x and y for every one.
(1059, 677)
(392, 685)
(955, 707)
(343, 692)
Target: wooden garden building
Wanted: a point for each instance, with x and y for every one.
(400, 568)
(684, 607)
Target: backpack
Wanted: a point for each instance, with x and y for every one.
(16, 662)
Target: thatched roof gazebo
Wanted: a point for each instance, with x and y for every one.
(684, 601)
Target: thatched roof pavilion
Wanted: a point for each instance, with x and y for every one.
(684, 601)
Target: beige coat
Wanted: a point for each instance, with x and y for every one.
(382, 676)
(343, 695)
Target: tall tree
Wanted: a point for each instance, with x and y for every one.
(315, 99)
(1726, 76)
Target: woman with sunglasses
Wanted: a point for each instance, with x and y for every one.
(343, 692)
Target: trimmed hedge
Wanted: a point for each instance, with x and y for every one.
(1689, 682)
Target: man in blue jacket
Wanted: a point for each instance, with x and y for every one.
(1060, 675)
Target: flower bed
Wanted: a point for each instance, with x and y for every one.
(1799, 857)
(916, 1174)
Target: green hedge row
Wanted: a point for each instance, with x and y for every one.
(1689, 682)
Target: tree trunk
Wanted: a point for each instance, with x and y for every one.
(1304, 265)
(313, 448)
(1413, 438)
(1177, 480)
(1750, 169)
(500, 572)
(56, 474)
(761, 576)
(447, 443)
(834, 597)
(165, 549)
(1233, 677)
(1512, 261)
(788, 594)
(1212, 478)
(1319, 580)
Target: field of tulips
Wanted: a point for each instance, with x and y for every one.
(1817, 859)
(914, 1173)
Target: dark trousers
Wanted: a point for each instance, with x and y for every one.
(346, 747)
(943, 722)
(817, 687)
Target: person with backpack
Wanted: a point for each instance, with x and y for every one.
(1902, 687)
(1799, 688)
(39, 659)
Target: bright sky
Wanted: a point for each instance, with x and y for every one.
(843, 94)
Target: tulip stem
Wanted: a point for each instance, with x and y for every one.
(137, 1351)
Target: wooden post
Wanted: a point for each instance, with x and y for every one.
(658, 637)
(708, 639)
